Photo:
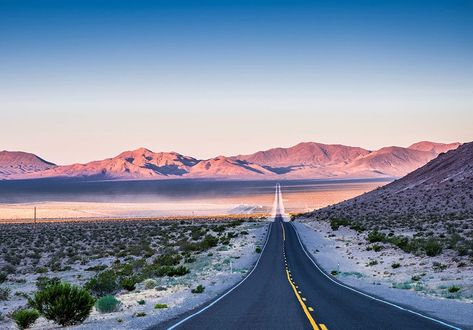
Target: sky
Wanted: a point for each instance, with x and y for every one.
(86, 80)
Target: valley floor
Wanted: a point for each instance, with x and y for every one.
(419, 283)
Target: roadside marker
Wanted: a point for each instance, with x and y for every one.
(310, 309)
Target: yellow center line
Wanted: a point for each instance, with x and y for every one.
(283, 232)
(323, 327)
(304, 307)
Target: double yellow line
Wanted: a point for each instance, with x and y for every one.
(299, 298)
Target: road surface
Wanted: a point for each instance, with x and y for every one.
(287, 291)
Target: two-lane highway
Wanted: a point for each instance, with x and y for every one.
(286, 290)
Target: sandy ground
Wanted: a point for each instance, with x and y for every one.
(218, 269)
(345, 251)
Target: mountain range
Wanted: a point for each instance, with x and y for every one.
(307, 160)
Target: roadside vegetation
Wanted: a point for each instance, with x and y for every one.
(77, 268)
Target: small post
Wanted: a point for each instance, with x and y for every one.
(35, 215)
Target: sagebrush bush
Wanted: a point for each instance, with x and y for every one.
(25, 318)
(108, 304)
(128, 283)
(150, 283)
(104, 283)
(63, 303)
(199, 289)
(43, 281)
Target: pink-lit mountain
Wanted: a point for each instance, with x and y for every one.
(308, 160)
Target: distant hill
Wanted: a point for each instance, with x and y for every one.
(435, 197)
(307, 160)
(17, 163)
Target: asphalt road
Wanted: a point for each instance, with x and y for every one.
(287, 291)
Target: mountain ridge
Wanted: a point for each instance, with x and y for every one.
(302, 161)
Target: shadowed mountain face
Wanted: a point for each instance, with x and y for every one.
(304, 161)
(14, 163)
(440, 191)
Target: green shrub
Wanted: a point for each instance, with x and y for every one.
(258, 249)
(199, 289)
(128, 283)
(24, 318)
(453, 289)
(396, 265)
(43, 281)
(160, 306)
(172, 271)
(141, 302)
(375, 236)
(334, 273)
(108, 304)
(168, 260)
(140, 314)
(104, 283)
(3, 277)
(63, 303)
(432, 248)
(337, 223)
(372, 263)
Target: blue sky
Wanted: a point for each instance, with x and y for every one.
(85, 80)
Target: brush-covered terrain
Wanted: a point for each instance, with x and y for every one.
(427, 211)
(136, 272)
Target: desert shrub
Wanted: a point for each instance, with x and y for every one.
(375, 236)
(377, 248)
(168, 260)
(160, 306)
(24, 318)
(258, 249)
(337, 223)
(334, 273)
(103, 284)
(4, 294)
(453, 289)
(108, 304)
(63, 303)
(172, 271)
(141, 302)
(199, 289)
(150, 283)
(209, 242)
(43, 281)
(432, 248)
(396, 265)
(3, 277)
(372, 263)
(128, 283)
(140, 314)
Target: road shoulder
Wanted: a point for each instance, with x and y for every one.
(328, 254)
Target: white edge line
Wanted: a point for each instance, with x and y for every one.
(365, 294)
(229, 291)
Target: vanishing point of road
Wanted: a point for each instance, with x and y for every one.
(286, 290)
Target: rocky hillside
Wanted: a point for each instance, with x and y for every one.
(435, 197)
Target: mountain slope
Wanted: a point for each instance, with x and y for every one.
(17, 163)
(440, 193)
